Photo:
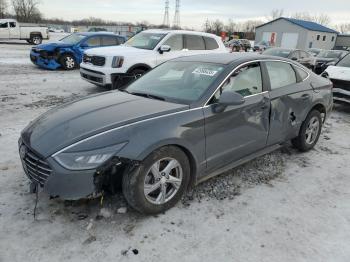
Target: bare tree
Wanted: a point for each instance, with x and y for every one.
(207, 26)
(230, 27)
(3, 8)
(343, 28)
(322, 19)
(27, 10)
(218, 27)
(275, 13)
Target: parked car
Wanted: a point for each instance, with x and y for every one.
(340, 76)
(97, 29)
(314, 51)
(67, 53)
(236, 45)
(11, 29)
(181, 123)
(297, 55)
(261, 46)
(143, 52)
(326, 58)
(55, 30)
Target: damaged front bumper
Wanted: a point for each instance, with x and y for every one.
(48, 62)
(60, 182)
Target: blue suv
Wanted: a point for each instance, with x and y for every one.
(68, 52)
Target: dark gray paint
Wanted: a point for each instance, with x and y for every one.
(215, 141)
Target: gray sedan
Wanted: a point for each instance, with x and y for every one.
(183, 122)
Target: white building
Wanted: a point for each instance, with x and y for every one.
(294, 33)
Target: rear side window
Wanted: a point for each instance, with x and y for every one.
(93, 41)
(210, 43)
(175, 42)
(281, 74)
(194, 42)
(109, 40)
(302, 74)
(12, 24)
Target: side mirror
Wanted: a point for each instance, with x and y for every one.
(229, 98)
(164, 48)
(294, 59)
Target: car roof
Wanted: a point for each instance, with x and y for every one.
(170, 31)
(97, 33)
(227, 58)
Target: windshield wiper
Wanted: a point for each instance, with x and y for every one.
(147, 95)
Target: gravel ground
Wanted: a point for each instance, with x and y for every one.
(285, 206)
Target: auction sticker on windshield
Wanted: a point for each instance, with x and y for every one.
(204, 71)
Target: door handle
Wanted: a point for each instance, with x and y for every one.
(305, 96)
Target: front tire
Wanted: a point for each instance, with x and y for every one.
(123, 82)
(159, 182)
(68, 62)
(309, 132)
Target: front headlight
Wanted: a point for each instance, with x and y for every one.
(87, 159)
(117, 61)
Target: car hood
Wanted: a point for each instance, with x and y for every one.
(325, 60)
(72, 122)
(117, 50)
(52, 46)
(339, 73)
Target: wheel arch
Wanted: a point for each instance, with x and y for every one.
(183, 147)
(139, 66)
(321, 108)
(32, 34)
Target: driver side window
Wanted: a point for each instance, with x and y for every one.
(4, 25)
(246, 81)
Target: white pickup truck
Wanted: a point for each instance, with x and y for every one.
(10, 29)
(144, 51)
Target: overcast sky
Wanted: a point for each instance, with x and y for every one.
(193, 13)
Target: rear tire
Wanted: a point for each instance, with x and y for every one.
(36, 39)
(159, 182)
(309, 132)
(68, 62)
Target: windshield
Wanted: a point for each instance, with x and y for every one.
(277, 52)
(345, 62)
(145, 40)
(329, 54)
(179, 82)
(72, 39)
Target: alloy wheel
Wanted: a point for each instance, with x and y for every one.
(312, 130)
(163, 181)
(70, 63)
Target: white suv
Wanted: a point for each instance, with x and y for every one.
(115, 66)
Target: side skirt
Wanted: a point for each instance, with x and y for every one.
(239, 162)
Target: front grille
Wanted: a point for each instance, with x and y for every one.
(341, 84)
(36, 168)
(95, 60)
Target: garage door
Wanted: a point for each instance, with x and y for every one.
(289, 40)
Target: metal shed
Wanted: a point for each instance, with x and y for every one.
(295, 33)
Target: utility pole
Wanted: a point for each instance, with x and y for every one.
(177, 15)
(166, 14)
